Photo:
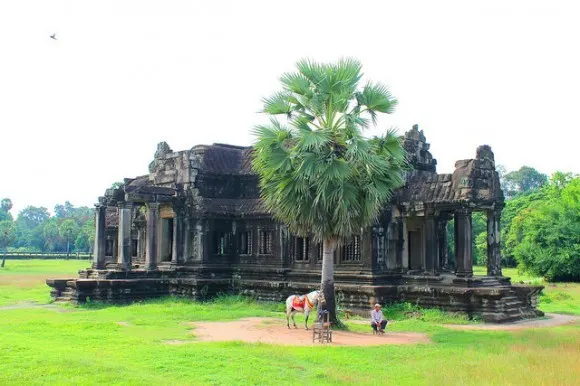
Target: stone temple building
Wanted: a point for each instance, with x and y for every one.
(195, 226)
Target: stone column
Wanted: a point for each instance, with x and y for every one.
(493, 243)
(99, 249)
(442, 243)
(151, 246)
(177, 251)
(430, 245)
(463, 243)
(404, 244)
(141, 243)
(187, 238)
(115, 253)
(124, 236)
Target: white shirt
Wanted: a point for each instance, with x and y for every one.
(376, 316)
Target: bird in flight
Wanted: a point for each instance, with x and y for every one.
(53, 36)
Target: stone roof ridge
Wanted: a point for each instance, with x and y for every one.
(417, 150)
(227, 145)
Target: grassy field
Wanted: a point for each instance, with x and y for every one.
(24, 280)
(98, 344)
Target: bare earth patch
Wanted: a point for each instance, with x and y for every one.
(552, 320)
(274, 331)
(19, 306)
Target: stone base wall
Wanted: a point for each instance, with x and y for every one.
(492, 299)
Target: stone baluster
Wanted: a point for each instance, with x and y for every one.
(493, 243)
(463, 244)
(151, 243)
(99, 249)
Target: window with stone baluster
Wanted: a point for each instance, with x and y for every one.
(300, 248)
(221, 243)
(266, 240)
(351, 250)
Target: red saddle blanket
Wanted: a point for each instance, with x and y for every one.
(298, 302)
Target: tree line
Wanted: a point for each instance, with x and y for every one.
(70, 229)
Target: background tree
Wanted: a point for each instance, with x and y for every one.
(523, 180)
(50, 233)
(7, 236)
(319, 175)
(64, 211)
(5, 206)
(33, 216)
(68, 230)
(544, 236)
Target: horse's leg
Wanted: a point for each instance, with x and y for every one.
(306, 314)
(287, 318)
(294, 318)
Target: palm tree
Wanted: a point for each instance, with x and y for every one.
(68, 229)
(6, 204)
(318, 173)
(7, 236)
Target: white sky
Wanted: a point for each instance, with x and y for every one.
(88, 109)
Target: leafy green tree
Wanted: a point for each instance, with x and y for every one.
(479, 239)
(33, 216)
(5, 206)
(68, 230)
(50, 233)
(523, 180)
(86, 237)
(64, 211)
(318, 174)
(7, 236)
(544, 235)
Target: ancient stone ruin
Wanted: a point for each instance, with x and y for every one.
(195, 226)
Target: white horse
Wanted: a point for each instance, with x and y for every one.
(304, 303)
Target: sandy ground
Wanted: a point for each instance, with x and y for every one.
(274, 331)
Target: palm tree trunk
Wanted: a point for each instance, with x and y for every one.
(327, 281)
(4, 258)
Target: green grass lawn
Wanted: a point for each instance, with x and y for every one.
(24, 280)
(88, 345)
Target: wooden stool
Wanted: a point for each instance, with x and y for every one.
(321, 330)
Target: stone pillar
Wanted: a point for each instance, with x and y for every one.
(493, 243)
(197, 245)
(151, 246)
(404, 244)
(115, 247)
(430, 254)
(177, 251)
(99, 249)
(442, 244)
(124, 236)
(141, 243)
(186, 238)
(463, 243)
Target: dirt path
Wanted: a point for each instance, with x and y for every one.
(552, 320)
(24, 305)
(274, 331)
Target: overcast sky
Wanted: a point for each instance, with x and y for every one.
(88, 109)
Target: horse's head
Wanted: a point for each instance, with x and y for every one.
(320, 297)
